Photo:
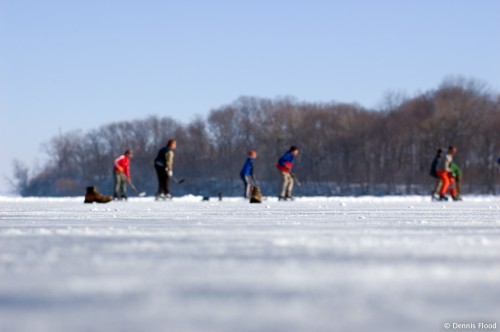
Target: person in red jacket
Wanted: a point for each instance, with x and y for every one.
(122, 175)
(445, 172)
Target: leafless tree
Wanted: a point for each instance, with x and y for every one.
(345, 148)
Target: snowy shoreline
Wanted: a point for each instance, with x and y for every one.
(303, 199)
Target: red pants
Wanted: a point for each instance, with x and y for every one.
(447, 180)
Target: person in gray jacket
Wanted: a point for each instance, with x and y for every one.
(164, 166)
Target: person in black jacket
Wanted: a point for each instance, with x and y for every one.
(164, 163)
(433, 173)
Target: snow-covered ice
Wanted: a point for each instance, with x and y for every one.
(316, 264)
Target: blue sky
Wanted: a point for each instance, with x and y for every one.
(67, 65)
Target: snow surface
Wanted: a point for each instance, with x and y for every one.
(316, 264)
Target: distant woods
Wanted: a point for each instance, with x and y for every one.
(345, 148)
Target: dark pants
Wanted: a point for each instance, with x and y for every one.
(163, 180)
(458, 184)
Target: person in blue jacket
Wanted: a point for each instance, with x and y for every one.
(284, 165)
(246, 173)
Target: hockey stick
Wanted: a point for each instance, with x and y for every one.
(296, 179)
(177, 181)
(254, 180)
(140, 194)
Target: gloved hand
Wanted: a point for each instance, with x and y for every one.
(170, 173)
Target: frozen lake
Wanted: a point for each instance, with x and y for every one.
(316, 264)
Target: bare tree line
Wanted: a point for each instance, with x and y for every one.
(345, 148)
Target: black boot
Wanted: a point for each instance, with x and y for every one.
(90, 195)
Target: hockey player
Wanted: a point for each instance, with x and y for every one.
(444, 172)
(433, 173)
(284, 165)
(164, 163)
(247, 175)
(456, 172)
(122, 175)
